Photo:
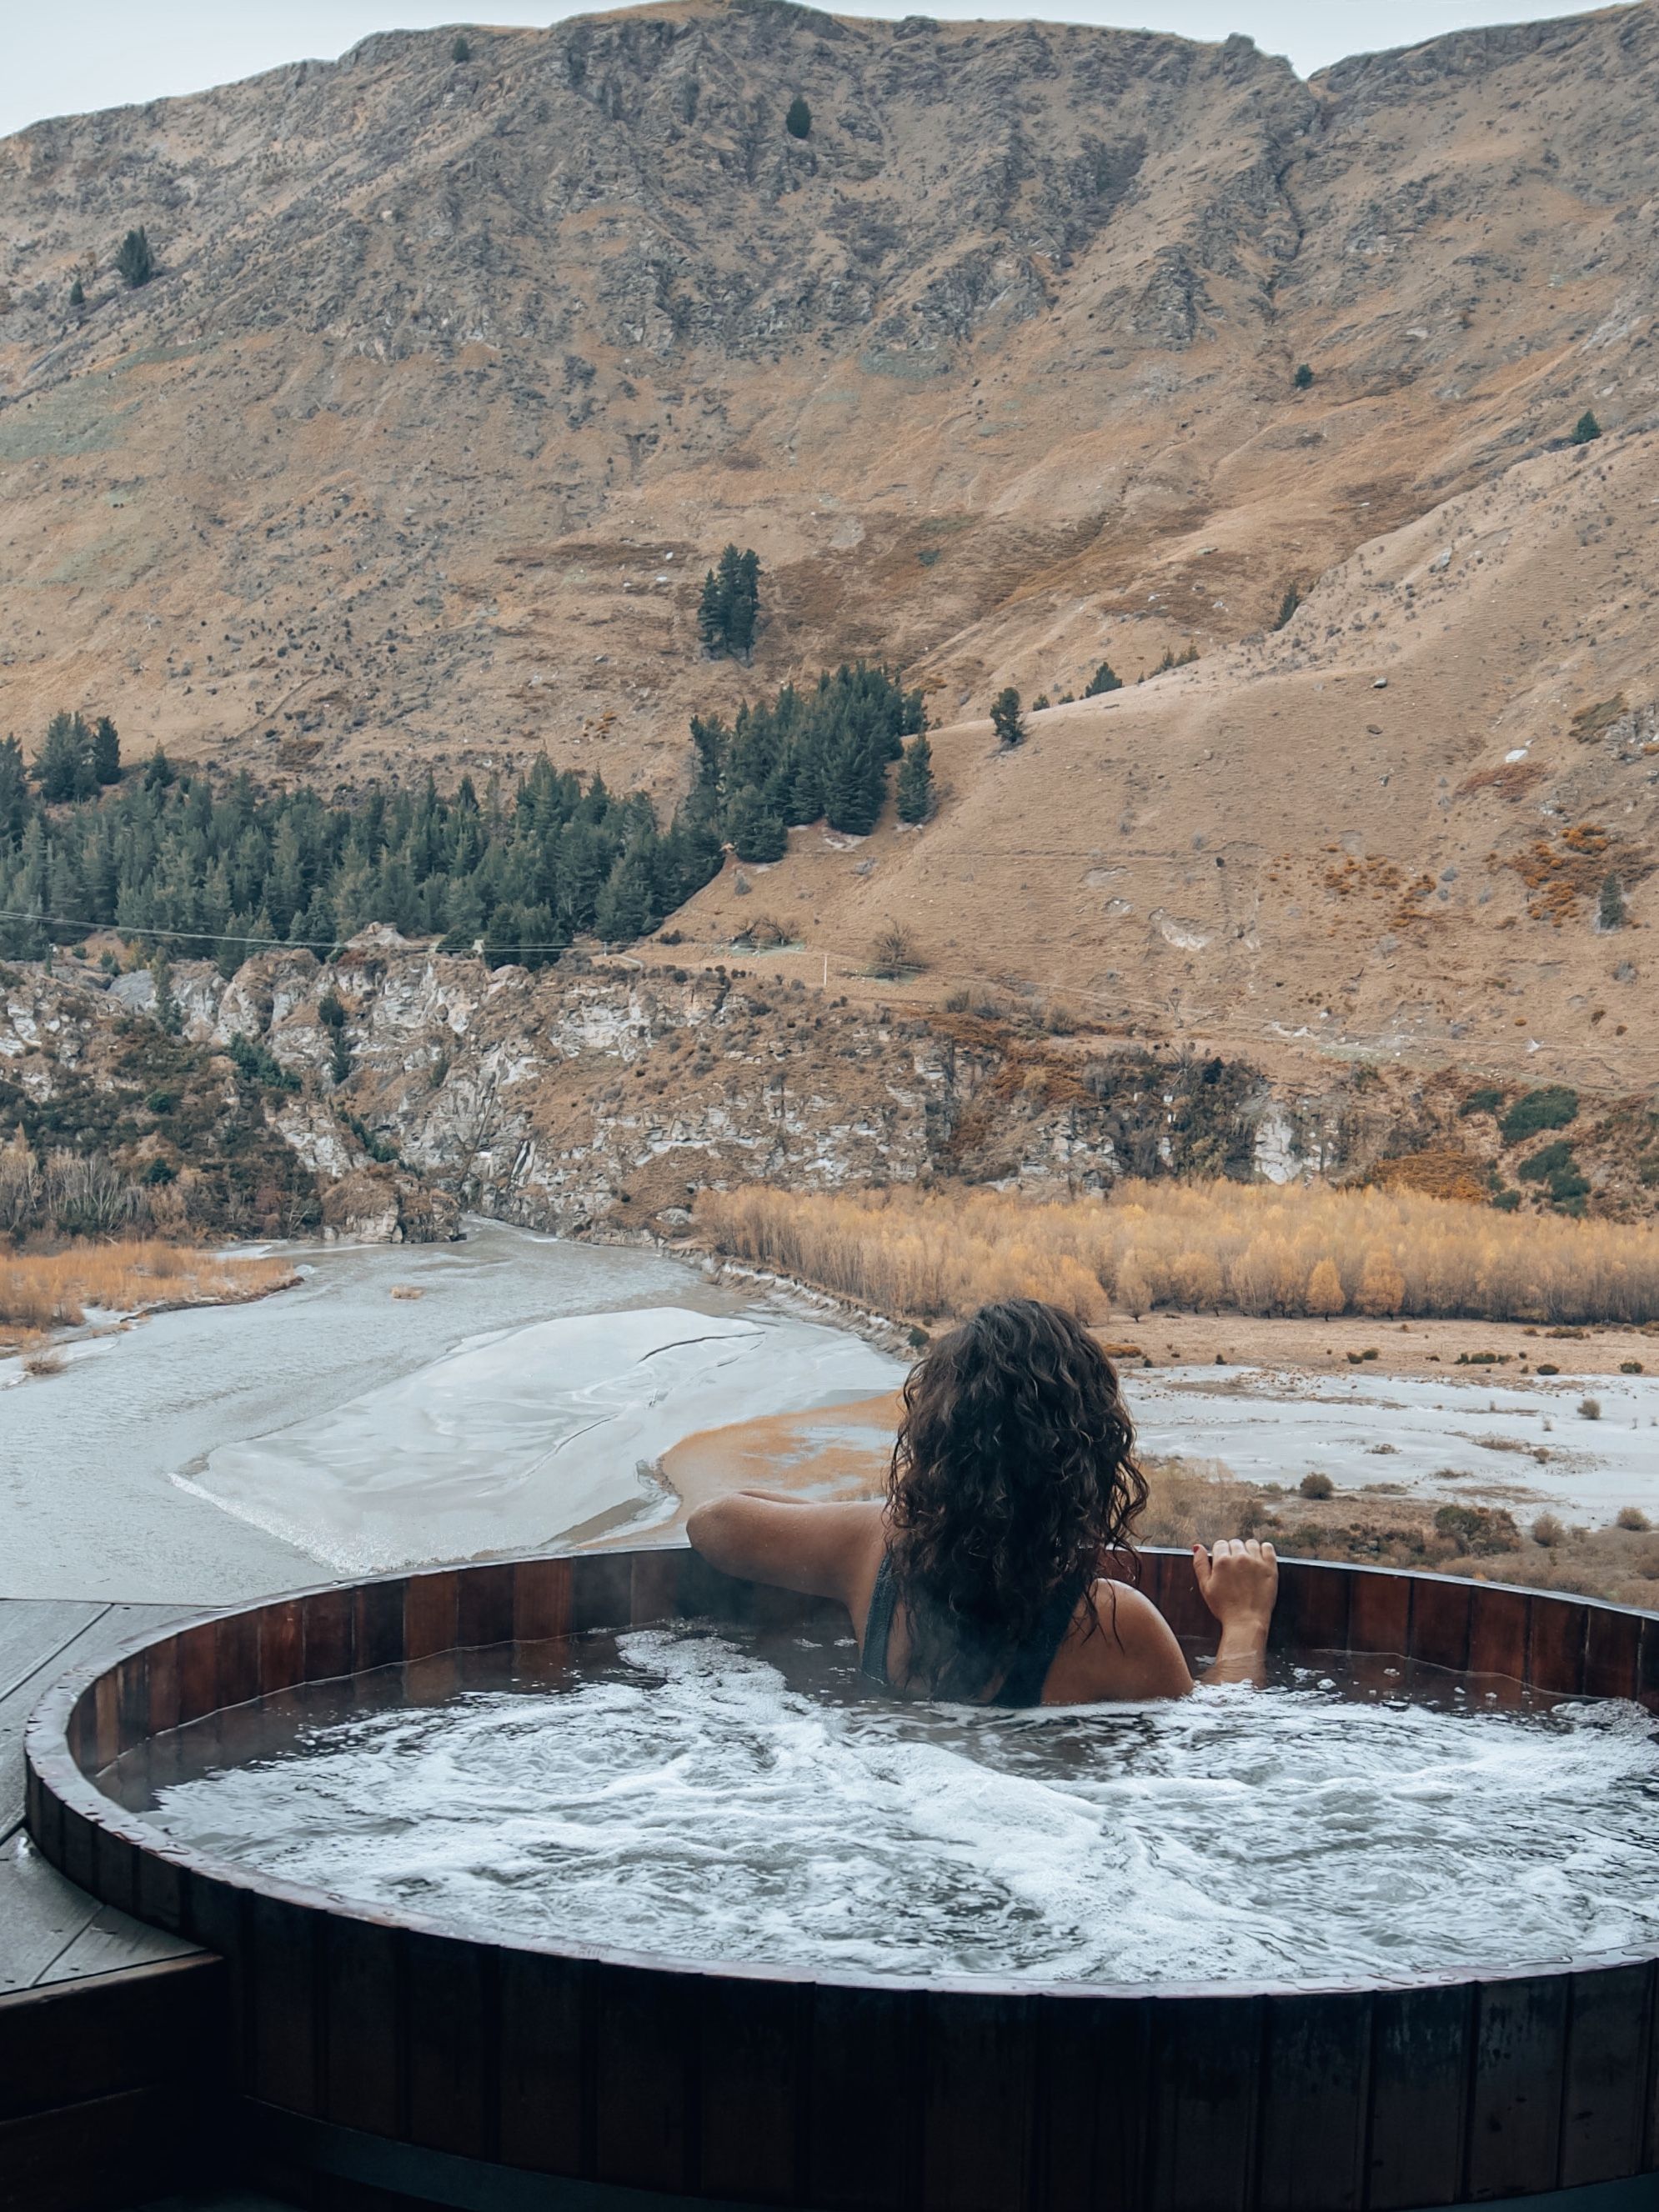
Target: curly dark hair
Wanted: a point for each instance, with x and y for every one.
(1013, 1476)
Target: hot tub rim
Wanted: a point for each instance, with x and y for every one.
(53, 1767)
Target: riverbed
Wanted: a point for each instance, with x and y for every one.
(522, 1392)
(223, 1454)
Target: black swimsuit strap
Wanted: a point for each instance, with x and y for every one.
(878, 1626)
(1023, 1683)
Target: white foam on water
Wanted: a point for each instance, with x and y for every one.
(686, 1798)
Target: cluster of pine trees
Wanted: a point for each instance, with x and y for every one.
(811, 756)
(223, 864)
(213, 867)
(730, 605)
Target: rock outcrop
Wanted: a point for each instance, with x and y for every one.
(600, 1099)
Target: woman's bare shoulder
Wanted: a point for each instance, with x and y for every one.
(1128, 1651)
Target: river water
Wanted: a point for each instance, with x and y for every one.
(223, 1454)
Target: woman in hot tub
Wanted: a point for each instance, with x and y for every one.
(1000, 1569)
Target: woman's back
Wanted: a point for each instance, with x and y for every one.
(1000, 1569)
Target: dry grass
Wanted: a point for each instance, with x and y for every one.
(1244, 1248)
(42, 1289)
(1196, 1502)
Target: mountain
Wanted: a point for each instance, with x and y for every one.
(456, 374)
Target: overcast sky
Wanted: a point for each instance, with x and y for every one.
(79, 54)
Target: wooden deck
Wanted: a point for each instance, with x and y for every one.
(108, 2029)
(50, 1931)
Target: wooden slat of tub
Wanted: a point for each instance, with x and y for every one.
(702, 1590)
(981, 2077)
(330, 1624)
(541, 1599)
(431, 1613)
(1440, 1623)
(1379, 1612)
(1604, 2115)
(1315, 2087)
(198, 1670)
(601, 1591)
(282, 1647)
(1559, 1628)
(1498, 1628)
(644, 2049)
(751, 2041)
(545, 2119)
(450, 2015)
(866, 2050)
(361, 1981)
(485, 1611)
(1612, 1648)
(281, 1968)
(239, 1657)
(1421, 2041)
(1312, 1612)
(379, 1624)
(1515, 2111)
(1206, 2057)
(654, 1588)
(1093, 2098)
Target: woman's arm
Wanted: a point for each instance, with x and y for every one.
(818, 1549)
(1239, 1583)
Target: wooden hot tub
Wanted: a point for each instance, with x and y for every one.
(396, 2056)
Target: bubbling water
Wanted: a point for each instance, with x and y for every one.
(695, 1795)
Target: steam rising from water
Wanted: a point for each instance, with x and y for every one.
(684, 1794)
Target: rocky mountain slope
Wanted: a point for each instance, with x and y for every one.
(456, 374)
(594, 1099)
(446, 359)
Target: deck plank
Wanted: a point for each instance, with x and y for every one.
(34, 1630)
(50, 1932)
(40, 1915)
(111, 1942)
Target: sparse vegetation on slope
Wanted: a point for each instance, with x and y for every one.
(1251, 1248)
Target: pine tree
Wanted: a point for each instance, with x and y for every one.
(1105, 679)
(1611, 912)
(915, 785)
(105, 751)
(711, 615)
(159, 771)
(1304, 377)
(134, 259)
(623, 907)
(1006, 717)
(1289, 603)
(462, 50)
(77, 293)
(1587, 428)
(62, 767)
(854, 785)
(757, 834)
(730, 603)
(167, 1006)
(798, 121)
